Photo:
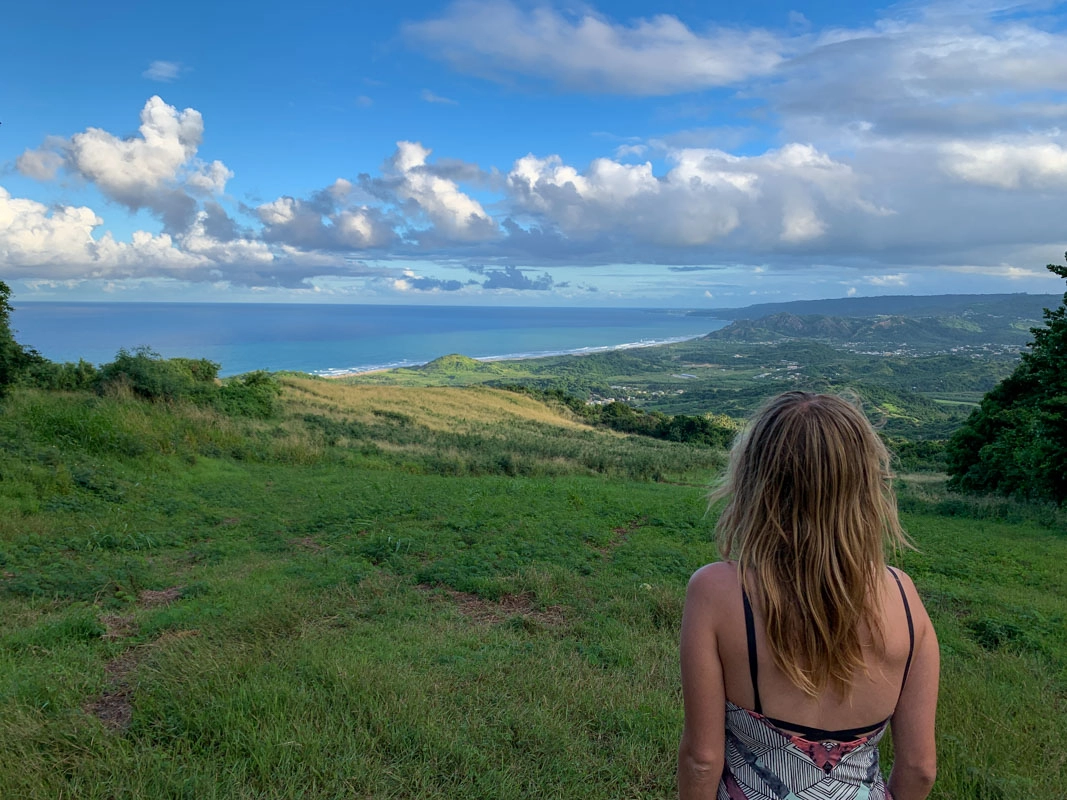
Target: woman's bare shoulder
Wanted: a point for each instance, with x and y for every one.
(906, 583)
(715, 579)
(915, 601)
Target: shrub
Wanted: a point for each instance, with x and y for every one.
(253, 395)
(148, 375)
(68, 377)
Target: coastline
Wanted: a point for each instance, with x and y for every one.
(348, 372)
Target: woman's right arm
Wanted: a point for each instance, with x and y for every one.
(701, 750)
(914, 749)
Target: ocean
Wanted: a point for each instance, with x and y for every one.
(338, 339)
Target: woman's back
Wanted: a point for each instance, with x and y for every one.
(875, 690)
(801, 646)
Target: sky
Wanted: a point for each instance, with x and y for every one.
(496, 152)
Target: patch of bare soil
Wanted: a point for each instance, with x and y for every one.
(492, 612)
(150, 598)
(307, 543)
(113, 707)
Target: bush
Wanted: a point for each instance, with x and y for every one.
(67, 377)
(710, 430)
(252, 395)
(148, 375)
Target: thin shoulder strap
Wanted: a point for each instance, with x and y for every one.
(911, 627)
(753, 666)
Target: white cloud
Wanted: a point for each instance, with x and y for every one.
(163, 71)
(209, 178)
(325, 222)
(152, 170)
(454, 214)
(707, 196)
(897, 279)
(651, 56)
(1007, 165)
(58, 244)
(129, 169)
(198, 242)
(41, 165)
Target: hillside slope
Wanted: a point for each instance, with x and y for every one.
(364, 596)
(442, 408)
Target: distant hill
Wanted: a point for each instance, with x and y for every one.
(455, 362)
(937, 305)
(967, 329)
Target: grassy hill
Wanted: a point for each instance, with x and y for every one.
(1017, 305)
(917, 334)
(442, 593)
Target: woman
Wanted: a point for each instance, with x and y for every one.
(801, 647)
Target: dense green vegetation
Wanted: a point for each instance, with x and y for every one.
(1015, 442)
(450, 593)
(711, 430)
(14, 358)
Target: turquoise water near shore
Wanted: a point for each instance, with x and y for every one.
(335, 339)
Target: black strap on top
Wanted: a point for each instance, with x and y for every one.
(819, 734)
(911, 627)
(753, 666)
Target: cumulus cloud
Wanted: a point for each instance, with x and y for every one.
(707, 195)
(453, 214)
(1007, 165)
(326, 221)
(41, 165)
(208, 178)
(156, 170)
(652, 56)
(57, 243)
(163, 71)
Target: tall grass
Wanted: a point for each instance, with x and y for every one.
(355, 599)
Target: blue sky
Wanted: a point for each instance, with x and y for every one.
(497, 152)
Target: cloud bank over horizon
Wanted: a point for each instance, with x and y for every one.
(926, 143)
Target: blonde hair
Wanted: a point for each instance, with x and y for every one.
(810, 512)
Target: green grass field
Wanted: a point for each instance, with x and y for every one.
(449, 593)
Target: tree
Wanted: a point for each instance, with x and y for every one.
(1015, 442)
(13, 356)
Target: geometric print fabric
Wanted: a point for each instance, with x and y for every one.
(766, 763)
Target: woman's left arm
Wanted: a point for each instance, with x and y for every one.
(701, 751)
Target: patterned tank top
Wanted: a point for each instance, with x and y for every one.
(771, 759)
